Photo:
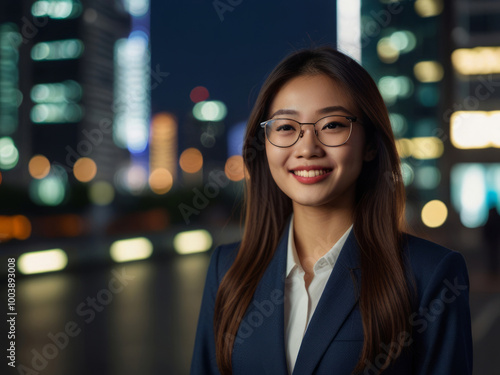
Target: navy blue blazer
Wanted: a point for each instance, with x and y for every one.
(440, 342)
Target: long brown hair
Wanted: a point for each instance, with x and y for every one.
(384, 299)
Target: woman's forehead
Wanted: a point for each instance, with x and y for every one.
(318, 94)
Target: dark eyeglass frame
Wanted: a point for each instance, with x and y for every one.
(301, 134)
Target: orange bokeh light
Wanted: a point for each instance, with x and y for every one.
(39, 166)
(191, 160)
(21, 227)
(17, 226)
(85, 169)
(161, 181)
(235, 168)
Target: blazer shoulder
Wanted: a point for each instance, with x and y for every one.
(427, 258)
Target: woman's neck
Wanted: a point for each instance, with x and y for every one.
(317, 229)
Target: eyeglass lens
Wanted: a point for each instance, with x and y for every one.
(331, 131)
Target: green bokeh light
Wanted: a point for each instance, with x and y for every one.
(212, 110)
(56, 9)
(427, 178)
(51, 190)
(9, 155)
(57, 50)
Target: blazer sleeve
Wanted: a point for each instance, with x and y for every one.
(442, 324)
(204, 361)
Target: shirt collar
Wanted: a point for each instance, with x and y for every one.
(292, 259)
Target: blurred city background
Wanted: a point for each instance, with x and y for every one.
(121, 123)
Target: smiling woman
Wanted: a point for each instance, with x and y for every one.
(325, 279)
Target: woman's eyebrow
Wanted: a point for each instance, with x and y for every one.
(326, 110)
(333, 108)
(284, 112)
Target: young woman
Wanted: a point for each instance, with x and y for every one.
(325, 279)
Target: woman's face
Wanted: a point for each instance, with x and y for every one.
(305, 99)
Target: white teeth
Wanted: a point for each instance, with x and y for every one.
(312, 173)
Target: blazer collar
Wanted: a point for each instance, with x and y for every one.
(337, 301)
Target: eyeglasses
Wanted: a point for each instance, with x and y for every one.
(332, 131)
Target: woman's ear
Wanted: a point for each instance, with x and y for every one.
(370, 152)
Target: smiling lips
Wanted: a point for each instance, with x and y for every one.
(310, 175)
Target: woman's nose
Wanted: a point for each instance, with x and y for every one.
(308, 144)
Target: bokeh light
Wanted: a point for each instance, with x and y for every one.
(427, 178)
(469, 187)
(49, 191)
(404, 147)
(199, 94)
(161, 181)
(136, 8)
(42, 261)
(434, 213)
(475, 129)
(39, 166)
(428, 8)
(131, 179)
(212, 110)
(403, 40)
(85, 169)
(56, 113)
(193, 241)
(191, 160)
(132, 92)
(57, 50)
(67, 91)
(478, 60)
(235, 168)
(101, 193)
(163, 143)
(427, 147)
(18, 227)
(428, 71)
(9, 155)
(21, 227)
(56, 9)
(395, 87)
(386, 51)
(131, 249)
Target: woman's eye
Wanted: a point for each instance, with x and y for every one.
(285, 127)
(333, 125)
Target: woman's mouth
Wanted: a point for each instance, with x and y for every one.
(311, 173)
(311, 176)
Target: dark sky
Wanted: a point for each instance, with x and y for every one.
(230, 57)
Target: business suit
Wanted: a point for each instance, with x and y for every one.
(441, 342)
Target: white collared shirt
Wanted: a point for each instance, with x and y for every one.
(300, 303)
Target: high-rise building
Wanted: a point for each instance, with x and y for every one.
(66, 78)
(402, 47)
(473, 110)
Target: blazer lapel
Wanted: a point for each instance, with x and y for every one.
(263, 349)
(335, 305)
